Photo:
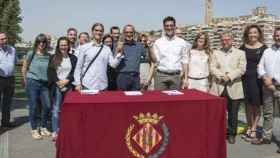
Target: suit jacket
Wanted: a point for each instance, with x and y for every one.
(52, 75)
(234, 65)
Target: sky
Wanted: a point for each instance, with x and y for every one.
(55, 16)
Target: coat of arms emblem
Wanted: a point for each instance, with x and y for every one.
(151, 138)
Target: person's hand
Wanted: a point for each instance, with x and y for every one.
(226, 78)
(78, 88)
(62, 83)
(267, 81)
(119, 48)
(271, 88)
(185, 84)
(146, 84)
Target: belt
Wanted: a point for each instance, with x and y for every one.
(198, 78)
(130, 73)
(170, 73)
(10, 77)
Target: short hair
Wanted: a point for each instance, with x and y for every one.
(247, 30)
(276, 29)
(169, 18)
(226, 33)
(142, 35)
(129, 25)
(106, 36)
(83, 33)
(71, 29)
(97, 24)
(114, 28)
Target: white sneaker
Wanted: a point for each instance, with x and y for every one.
(45, 132)
(35, 134)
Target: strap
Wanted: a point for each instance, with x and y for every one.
(91, 62)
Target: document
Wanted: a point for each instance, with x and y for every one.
(172, 92)
(89, 92)
(133, 93)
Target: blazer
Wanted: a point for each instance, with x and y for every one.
(52, 75)
(234, 64)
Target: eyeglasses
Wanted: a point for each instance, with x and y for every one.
(128, 32)
(171, 25)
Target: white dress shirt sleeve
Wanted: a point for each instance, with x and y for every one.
(79, 67)
(114, 61)
(261, 65)
(156, 52)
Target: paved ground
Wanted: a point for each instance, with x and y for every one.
(17, 143)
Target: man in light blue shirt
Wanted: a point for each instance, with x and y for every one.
(7, 81)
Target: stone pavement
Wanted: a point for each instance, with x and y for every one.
(17, 142)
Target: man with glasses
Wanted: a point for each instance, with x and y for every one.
(227, 67)
(128, 78)
(170, 54)
(7, 80)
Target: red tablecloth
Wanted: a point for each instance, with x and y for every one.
(103, 126)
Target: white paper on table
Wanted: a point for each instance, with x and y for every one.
(172, 92)
(133, 93)
(89, 91)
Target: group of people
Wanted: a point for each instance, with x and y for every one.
(129, 61)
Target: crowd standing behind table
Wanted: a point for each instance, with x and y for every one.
(175, 64)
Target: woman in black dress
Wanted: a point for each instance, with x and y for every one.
(254, 47)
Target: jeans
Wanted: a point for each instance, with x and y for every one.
(127, 81)
(57, 101)
(7, 88)
(37, 89)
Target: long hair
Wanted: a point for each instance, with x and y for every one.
(246, 33)
(41, 38)
(206, 45)
(57, 59)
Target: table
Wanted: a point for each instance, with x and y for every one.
(154, 125)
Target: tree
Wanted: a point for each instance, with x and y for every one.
(10, 20)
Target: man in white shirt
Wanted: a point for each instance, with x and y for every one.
(269, 71)
(170, 52)
(94, 76)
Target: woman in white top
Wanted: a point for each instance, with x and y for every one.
(198, 63)
(60, 77)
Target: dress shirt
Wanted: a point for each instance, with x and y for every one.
(7, 61)
(133, 52)
(171, 53)
(96, 76)
(270, 64)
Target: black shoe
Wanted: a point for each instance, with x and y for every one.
(278, 151)
(231, 139)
